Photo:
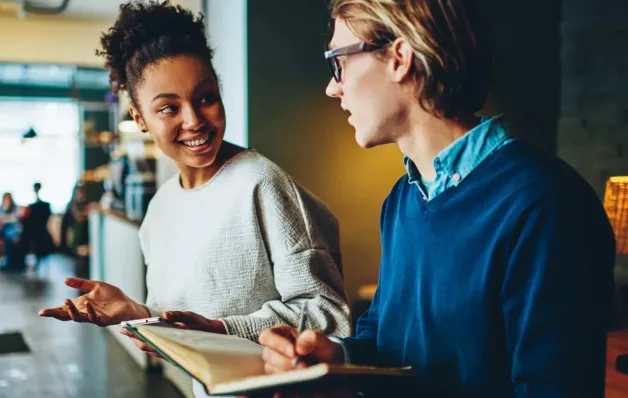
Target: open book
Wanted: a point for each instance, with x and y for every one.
(233, 365)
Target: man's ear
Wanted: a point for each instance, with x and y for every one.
(401, 60)
(139, 120)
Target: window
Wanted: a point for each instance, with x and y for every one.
(51, 158)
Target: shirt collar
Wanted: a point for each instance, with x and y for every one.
(413, 172)
(464, 154)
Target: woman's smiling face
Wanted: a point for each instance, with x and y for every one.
(179, 103)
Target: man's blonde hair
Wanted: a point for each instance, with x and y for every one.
(452, 57)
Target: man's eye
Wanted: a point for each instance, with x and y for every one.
(168, 109)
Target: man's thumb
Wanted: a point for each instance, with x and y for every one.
(313, 343)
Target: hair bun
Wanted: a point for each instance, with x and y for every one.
(151, 28)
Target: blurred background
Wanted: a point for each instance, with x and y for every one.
(561, 76)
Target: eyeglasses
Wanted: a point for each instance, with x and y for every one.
(332, 56)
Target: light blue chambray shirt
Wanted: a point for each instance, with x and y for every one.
(454, 163)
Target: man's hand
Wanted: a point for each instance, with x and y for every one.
(102, 305)
(282, 345)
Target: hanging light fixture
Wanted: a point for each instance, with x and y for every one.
(28, 135)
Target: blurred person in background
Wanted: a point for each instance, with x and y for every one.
(36, 238)
(11, 231)
(74, 228)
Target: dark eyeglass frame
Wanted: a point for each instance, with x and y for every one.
(332, 56)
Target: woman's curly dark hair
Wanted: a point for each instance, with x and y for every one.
(146, 33)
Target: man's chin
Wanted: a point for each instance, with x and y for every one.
(366, 140)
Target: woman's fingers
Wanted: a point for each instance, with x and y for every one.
(60, 313)
(181, 317)
(155, 355)
(127, 332)
(104, 319)
(141, 345)
(187, 320)
(81, 284)
(91, 313)
(74, 313)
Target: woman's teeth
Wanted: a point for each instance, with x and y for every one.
(198, 142)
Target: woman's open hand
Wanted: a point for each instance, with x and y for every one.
(103, 305)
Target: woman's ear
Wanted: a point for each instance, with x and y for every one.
(139, 120)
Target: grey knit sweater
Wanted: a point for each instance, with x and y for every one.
(249, 247)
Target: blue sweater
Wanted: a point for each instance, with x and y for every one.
(498, 287)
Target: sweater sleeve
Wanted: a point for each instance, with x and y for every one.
(555, 300)
(301, 238)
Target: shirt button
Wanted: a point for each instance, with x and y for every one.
(424, 197)
(456, 177)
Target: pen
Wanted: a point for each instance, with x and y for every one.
(300, 329)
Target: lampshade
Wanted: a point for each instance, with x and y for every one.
(29, 134)
(616, 206)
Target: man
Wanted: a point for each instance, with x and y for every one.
(496, 269)
(37, 238)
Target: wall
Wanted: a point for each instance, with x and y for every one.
(527, 67)
(226, 28)
(293, 123)
(59, 39)
(50, 39)
(593, 127)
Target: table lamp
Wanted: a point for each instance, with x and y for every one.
(616, 206)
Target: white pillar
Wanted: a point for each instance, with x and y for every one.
(226, 25)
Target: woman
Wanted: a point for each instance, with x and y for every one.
(497, 259)
(74, 229)
(10, 230)
(232, 238)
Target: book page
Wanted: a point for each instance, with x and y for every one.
(225, 358)
(277, 379)
(311, 373)
(210, 343)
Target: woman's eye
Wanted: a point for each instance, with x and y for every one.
(168, 109)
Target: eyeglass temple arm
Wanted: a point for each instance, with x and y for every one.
(348, 50)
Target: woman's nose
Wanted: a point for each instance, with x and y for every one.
(192, 119)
